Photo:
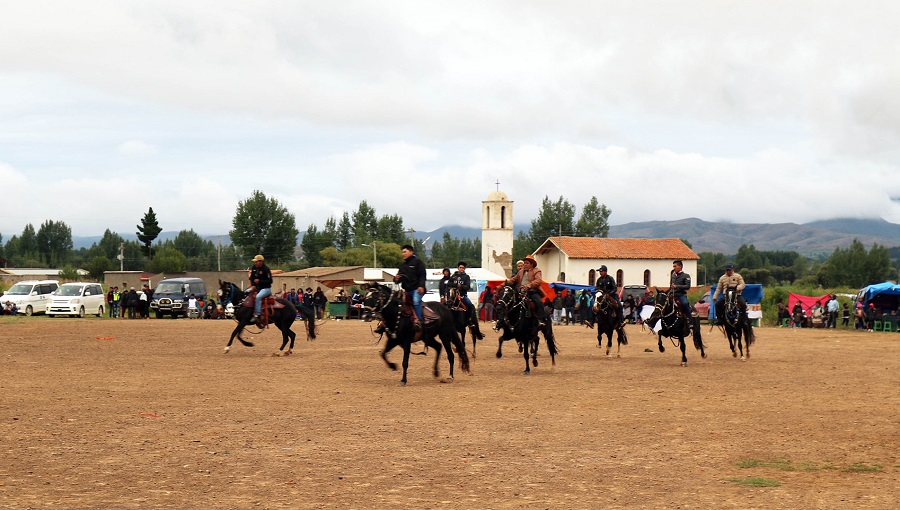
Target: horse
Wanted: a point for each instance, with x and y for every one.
(387, 304)
(668, 312)
(518, 323)
(282, 316)
(608, 321)
(461, 318)
(734, 324)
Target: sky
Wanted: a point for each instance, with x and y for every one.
(746, 112)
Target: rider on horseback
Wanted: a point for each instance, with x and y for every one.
(529, 282)
(730, 280)
(463, 284)
(411, 275)
(607, 284)
(680, 284)
(261, 281)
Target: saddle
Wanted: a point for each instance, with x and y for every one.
(269, 305)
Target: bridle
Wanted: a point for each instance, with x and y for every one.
(601, 302)
(382, 298)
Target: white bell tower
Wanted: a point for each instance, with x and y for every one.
(497, 233)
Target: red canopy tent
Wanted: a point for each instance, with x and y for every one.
(806, 302)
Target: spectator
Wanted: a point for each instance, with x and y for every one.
(143, 306)
(818, 313)
(831, 308)
(442, 286)
(109, 301)
(569, 304)
(584, 308)
(487, 303)
(870, 317)
(845, 316)
(319, 301)
(557, 309)
(797, 314)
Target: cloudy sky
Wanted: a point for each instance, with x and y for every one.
(765, 111)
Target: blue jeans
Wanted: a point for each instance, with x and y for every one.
(260, 295)
(685, 305)
(417, 304)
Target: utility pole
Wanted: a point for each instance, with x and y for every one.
(412, 235)
(121, 257)
(219, 252)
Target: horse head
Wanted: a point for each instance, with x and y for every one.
(599, 298)
(376, 298)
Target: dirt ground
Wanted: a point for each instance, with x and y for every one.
(100, 413)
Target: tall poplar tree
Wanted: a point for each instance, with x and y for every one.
(147, 232)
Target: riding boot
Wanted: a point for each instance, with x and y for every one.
(417, 327)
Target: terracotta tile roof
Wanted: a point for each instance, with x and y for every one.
(315, 272)
(616, 248)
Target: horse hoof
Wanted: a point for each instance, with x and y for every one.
(288, 352)
(392, 366)
(521, 348)
(401, 383)
(227, 350)
(703, 355)
(607, 353)
(662, 349)
(499, 354)
(534, 361)
(447, 380)
(276, 354)
(743, 358)
(527, 372)
(684, 363)
(618, 355)
(733, 354)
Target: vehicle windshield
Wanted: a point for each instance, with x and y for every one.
(68, 290)
(19, 289)
(170, 288)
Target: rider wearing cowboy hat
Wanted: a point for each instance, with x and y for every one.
(529, 282)
(261, 281)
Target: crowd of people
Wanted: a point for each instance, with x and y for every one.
(129, 303)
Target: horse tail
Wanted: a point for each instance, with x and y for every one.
(749, 335)
(460, 349)
(698, 339)
(551, 341)
(622, 337)
(309, 315)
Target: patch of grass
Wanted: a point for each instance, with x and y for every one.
(755, 481)
(781, 465)
(864, 468)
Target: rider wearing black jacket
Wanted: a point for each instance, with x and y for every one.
(463, 284)
(607, 284)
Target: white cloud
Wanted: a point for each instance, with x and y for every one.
(136, 148)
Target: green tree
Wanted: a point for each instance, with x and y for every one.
(389, 229)
(365, 223)
(262, 225)
(594, 220)
(98, 266)
(191, 244)
(168, 260)
(69, 272)
(54, 242)
(748, 257)
(147, 232)
(344, 233)
(313, 243)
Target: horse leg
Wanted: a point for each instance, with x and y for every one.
(608, 343)
(661, 347)
(682, 345)
(390, 344)
(406, 349)
(500, 348)
(237, 334)
(527, 366)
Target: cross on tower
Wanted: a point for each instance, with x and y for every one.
(498, 184)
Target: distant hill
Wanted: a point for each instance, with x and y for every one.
(817, 237)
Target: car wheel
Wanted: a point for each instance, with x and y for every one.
(81, 312)
(29, 311)
(100, 311)
(159, 315)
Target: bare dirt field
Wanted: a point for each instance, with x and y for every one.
(100, 413)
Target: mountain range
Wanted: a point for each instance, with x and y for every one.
(811, 239)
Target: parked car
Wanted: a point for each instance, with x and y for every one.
(77, 299)
(702, 307)
(30, 296)
(171, 296)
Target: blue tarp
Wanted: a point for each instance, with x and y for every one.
(879, 289)
(558, 286)
(753, 293)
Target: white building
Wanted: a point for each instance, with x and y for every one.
(630, 261)
(497, 233)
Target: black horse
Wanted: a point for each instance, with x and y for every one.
(463, 317)
(387, 304)
(517, 322)
(283, 315)
(668, 312)
(735, 324)
(608, 321)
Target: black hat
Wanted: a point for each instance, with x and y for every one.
(729, 266)
(602, 268)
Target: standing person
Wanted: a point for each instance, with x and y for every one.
(116, 302)
(729, 280)
(319, 300)
(442, 286)
(411, 275)
(558, 307)
(797, 315)
(132, 302)
(569, 304)
(528, 281)
(261, 282)
(832, 308)
(487, 302)
(607, 284)
(308, 297)
(680, 285)
(143, 304)
(109, 301)
(584, 305)
(845, 316)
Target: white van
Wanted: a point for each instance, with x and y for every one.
(31, 296)
(77, 299)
